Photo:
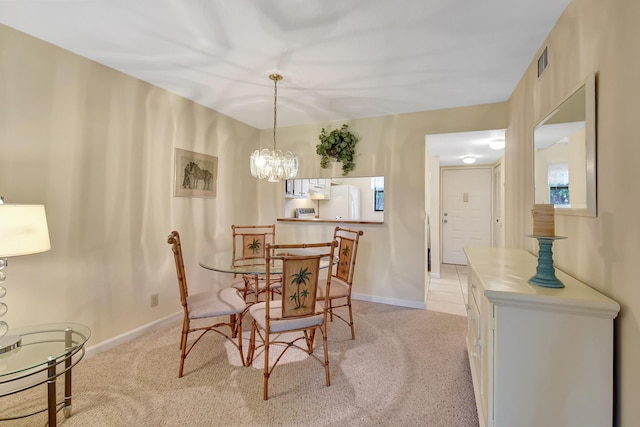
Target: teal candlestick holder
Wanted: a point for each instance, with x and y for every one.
(545, 271)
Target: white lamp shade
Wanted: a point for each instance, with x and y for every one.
(23, 230)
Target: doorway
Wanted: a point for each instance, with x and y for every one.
(466, 211)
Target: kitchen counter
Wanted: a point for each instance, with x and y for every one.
(334, 221)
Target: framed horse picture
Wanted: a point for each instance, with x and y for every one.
(195, 174)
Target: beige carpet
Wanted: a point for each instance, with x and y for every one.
(407, 367)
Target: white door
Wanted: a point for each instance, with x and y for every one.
(498, 207)
(466, 212)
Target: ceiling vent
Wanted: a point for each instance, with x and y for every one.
(543, 61)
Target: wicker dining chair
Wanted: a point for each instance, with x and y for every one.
(249, 247)
(297, 310)
(204, 305)
(342, 276)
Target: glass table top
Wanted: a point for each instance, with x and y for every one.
(41, 344)
(223, 262)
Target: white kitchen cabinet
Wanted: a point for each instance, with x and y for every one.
(320, 188)
(316, 188)
(538, 356)
(301, 187)
(296, 188)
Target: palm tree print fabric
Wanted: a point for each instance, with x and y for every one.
(344, 259)
(253, 246)
(299, 286)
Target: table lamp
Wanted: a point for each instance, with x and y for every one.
(23, 231)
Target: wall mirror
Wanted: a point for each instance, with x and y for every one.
(335, 199)
(565, 154)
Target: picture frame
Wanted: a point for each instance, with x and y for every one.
(195, 174)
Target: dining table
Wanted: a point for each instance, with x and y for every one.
(255, 268)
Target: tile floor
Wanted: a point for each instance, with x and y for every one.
(448, 294)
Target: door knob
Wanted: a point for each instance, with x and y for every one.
(445, 221)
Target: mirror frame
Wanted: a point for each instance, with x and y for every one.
(591, 209)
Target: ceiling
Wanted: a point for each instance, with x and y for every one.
(340, 60)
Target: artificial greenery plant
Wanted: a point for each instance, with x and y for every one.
(340, 145)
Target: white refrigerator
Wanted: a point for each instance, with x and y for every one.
(343, 204)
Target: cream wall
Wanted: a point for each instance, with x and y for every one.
(600, 36)
(96, 148)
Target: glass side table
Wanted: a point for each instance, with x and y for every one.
(46, 353)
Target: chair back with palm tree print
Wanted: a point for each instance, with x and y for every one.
(299, 288)
(250, 242)
(339, 295)
(249, 248)
(300, 273)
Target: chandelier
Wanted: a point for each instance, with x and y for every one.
(272, 164)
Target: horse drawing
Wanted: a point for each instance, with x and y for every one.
(193, 175)
(206, 176)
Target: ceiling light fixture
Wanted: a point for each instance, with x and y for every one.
(273, 165)
(468, 160)
(497, 144)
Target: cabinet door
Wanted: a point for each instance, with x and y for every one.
(319, 188)
(481, 310)
(473, 334)
(486, 356)
(297, 187)
(288, 188)
(326, 188)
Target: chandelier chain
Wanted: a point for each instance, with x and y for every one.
(275, 107)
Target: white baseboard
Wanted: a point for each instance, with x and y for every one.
(434, 275)
(134, 333)
(128, 336)
(390, 301)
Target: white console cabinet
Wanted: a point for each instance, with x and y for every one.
(540, 357)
